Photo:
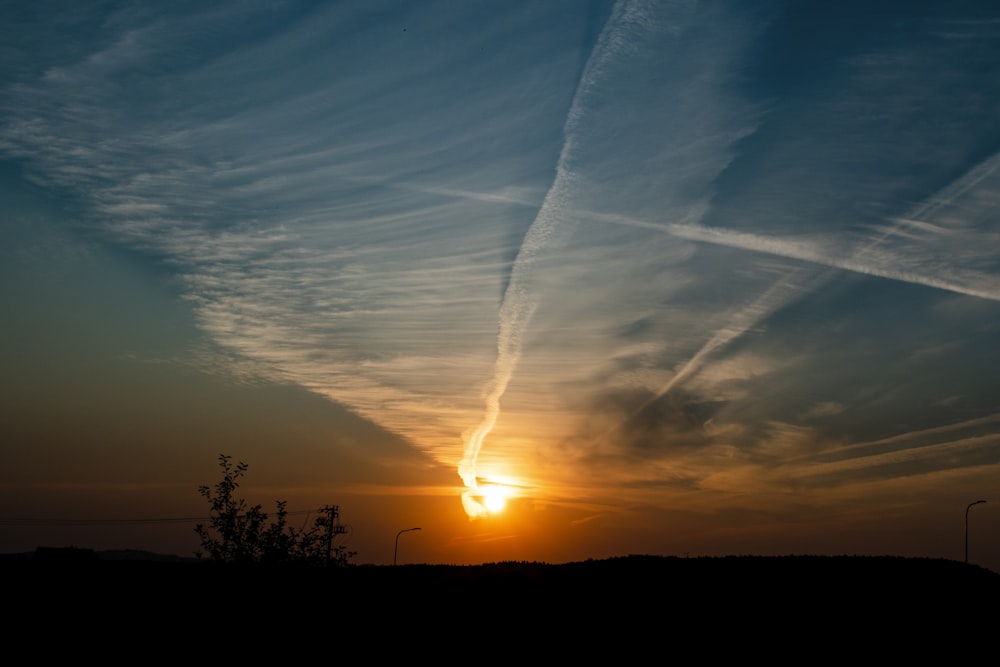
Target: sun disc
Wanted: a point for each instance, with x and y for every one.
(494, 500)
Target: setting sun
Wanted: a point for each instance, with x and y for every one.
(494, 499)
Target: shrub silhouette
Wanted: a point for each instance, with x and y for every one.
(238, 533)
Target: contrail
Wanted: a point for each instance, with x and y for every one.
(781, 293)
(961, 282)
(519, 302)
(788, 288)
(778, 295)
(860, 259)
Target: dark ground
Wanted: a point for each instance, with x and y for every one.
(802, 609)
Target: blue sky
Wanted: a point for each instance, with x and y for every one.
(678, 277)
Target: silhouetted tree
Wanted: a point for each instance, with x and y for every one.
(238, 533)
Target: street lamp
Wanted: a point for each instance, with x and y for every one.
(967, 527)
(396, 548)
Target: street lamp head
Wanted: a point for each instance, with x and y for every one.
(967, 527)
(396, 548)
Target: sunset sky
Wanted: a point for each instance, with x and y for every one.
(679, 278)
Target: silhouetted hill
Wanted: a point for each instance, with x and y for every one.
(760, 606)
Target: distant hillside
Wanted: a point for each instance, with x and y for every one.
(792, 577)
(753, 606)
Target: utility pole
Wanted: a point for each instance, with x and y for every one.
(332, 527)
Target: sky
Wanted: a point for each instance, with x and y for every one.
(679, 278)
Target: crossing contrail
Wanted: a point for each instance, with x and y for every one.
(860, 259)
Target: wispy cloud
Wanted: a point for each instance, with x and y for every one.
(660, 245)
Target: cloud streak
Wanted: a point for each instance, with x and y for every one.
(676, 242)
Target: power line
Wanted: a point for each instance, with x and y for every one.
(9, 521)
(92, 522)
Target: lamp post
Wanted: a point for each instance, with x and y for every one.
(967, 527)
(396, 548)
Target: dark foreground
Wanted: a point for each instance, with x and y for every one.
(815, 608)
